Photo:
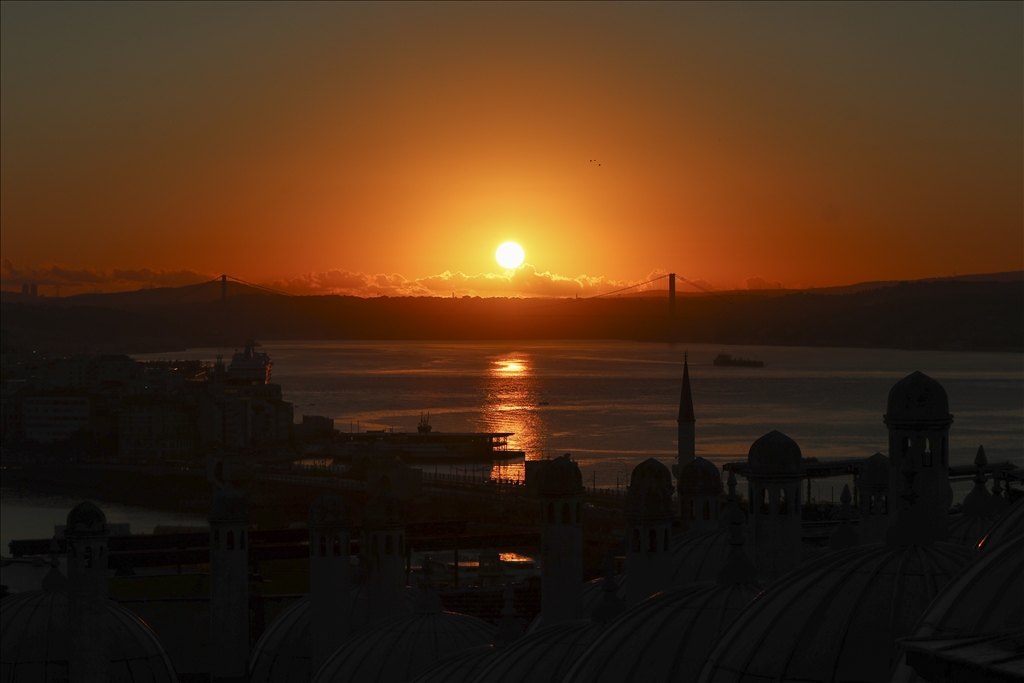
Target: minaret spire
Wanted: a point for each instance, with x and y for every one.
(685, 398)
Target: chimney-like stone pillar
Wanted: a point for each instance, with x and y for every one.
(561, 503)
(330, 576)
(229, 586)
(89, 650)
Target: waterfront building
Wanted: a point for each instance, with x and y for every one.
(49, 419)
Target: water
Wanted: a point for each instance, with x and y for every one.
(613, 404)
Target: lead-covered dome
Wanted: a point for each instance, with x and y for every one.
(917, 398)
(561, 477)
(1008, 526)
(461, 667)
(837, 618)
(987, 597)
(775, 453)
(86, 518)
(229, 507)
(34, 645)
(700, 477)
(543, 656)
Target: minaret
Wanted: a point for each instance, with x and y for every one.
(88, 632)
(561, 505)
(229, 585)
(686, 421)
(918, 419)
(383, 548)
(330, 576)
(648, 531)
(775, 471)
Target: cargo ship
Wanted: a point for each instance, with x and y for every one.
(726, 360)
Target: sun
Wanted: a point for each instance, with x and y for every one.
(509, 255)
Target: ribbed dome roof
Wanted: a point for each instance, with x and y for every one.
(228, 506)
(1008, 526)
(284, 652)
(698, 556)
(968, 531)
(460, 667)
(86, 518)
(328, 511)
(985, 598)
(543, 656)
(664, 638)
(700, 477)
(34, 641)
(916, 398)
(650, 491)
(835, 619)
(874, 472)
(561, 477)
(775, 453)
(400, 648)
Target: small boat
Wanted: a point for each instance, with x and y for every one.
(726, 360)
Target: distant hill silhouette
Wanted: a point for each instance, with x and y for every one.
(963, 313)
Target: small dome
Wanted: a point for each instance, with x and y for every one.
(775, 453)
(650, 491)
(873, 473)
(1008, 526)
(700, 477)
(542, 655)
(461, 667)
(561, 477)
(383, 510)
(283, 654)
(985, 598)
(328, 511)
(400, 648)
(86, 518)
(643, 643)
(35, 641)
(836, 618)
(229, 507)
(917, 398)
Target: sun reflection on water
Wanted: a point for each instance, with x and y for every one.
(511, 404)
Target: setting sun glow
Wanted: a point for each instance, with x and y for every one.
(509, 255)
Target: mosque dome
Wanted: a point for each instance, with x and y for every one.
(985, 598)
(229, 507)
(873, 472)
(836, 618)
(650, 491)
(698, 556)
(328, 511)
(461, 667)
(34, 646)
(402, 647)
(643, 643)
(284, 652)
(561, 477)
(917, 398)
(1008, 526)
(775, 453)
(544, 655)
(700, 477)
(593, 595)
(86, 518)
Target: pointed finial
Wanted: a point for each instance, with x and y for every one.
(508, 629)
(685, 396)
(980, 460)
(844, 536)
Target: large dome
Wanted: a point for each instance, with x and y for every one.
(917, 398)
(284, 652)
(985, 598)
(229, 507)
(34, 645)
(461, 667)
(561, 477)
(400, 648)
(700, 477)
(664, 638)
(543, 656)
(837, 618)
(775, 453)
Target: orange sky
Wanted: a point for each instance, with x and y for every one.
(808, 144)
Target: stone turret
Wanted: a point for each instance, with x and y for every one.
(561, 506)
(330, 576)
(775, 472)
(229, 585)
(88, 633)
(648, 530)
(383, 550)
(700, 495)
